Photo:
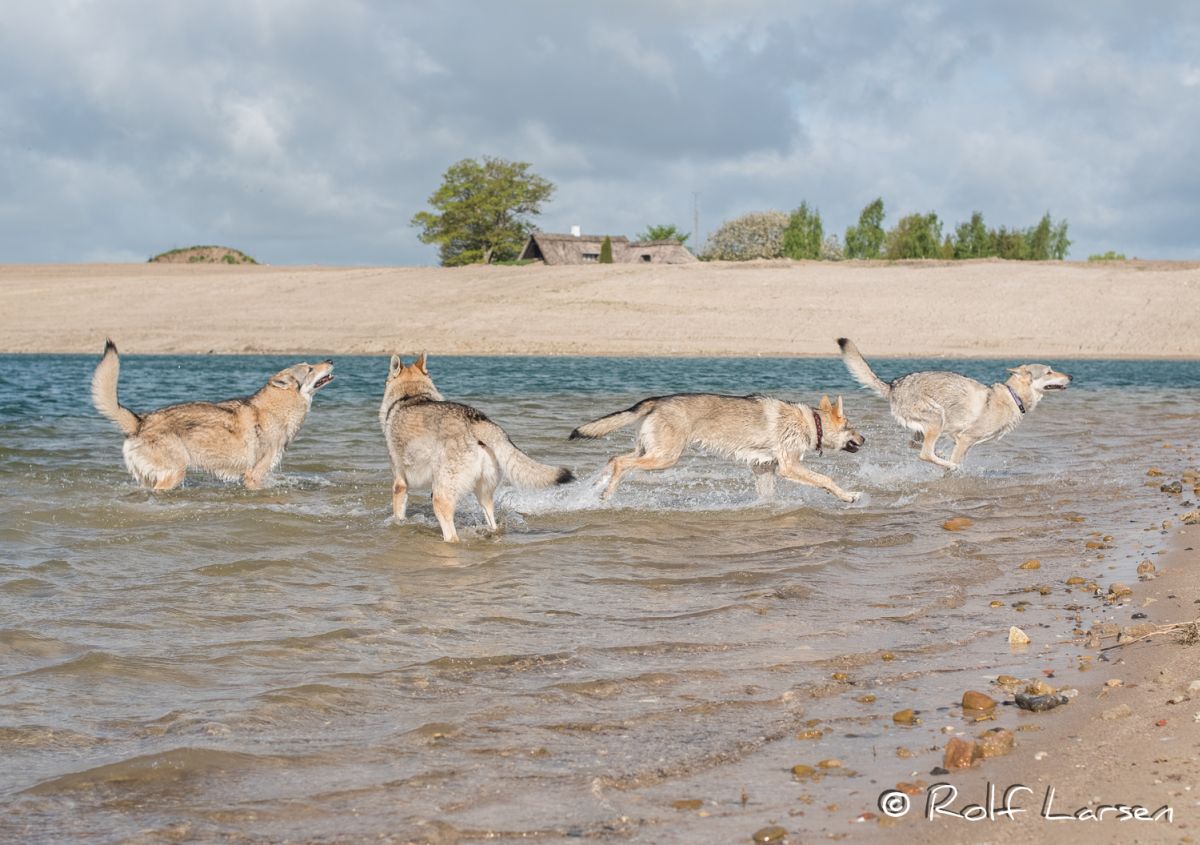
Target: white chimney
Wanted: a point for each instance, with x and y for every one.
(576, 231)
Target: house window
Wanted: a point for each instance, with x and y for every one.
(645, 258)
(591, 257)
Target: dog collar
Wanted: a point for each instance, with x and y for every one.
(820, 433)
(1016, 398)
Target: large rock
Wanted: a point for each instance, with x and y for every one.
(960, 753)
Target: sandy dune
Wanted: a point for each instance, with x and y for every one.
(983, 308)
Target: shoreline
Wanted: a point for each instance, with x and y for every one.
(926, 309)
(1120, 744)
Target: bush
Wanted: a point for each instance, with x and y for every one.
(1043, 242)
(755, 235)
(831, 249)
(606, 250)
(915, 236)
(1107, 256)
(804, 234)
(866, 239)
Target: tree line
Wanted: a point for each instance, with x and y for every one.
(801, 235)
(483, 211)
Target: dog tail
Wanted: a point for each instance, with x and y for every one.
(610, 423)
(104, 391)
(861, 370)
(518, 467)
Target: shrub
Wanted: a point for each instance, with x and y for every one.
(804, 234)
(866, 239)
(755, 235)
(915, 236)
(606, 250)
(831, 249)
(1107, 256)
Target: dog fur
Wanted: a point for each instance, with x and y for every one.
(934, 402)
(450, 448)
(768, 434)
(237, 438)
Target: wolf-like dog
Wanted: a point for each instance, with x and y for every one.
(238, 438)
(934, 402)
(770, 435)
(450, 448)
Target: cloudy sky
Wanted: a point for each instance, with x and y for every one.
(311, 132)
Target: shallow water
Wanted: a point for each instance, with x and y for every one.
(288, 663)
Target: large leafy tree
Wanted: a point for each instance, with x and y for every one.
(482, 210)
(866, 239)
(804, 235)
(664, 232)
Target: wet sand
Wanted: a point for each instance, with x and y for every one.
(987, 308)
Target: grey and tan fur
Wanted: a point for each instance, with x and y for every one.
(451, 449)
(770, 435)
(236, 439)
(935, 402)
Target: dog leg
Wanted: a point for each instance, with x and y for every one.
(764, 480)
(802, 475)
(254, 477)
(399, 498)
(962, 445)
(169, 479)
(623, 463)
(443, 509)
(484, 489)
(928, 451)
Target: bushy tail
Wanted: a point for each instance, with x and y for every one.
(861, 370)
(104, 391)
(518, 467)
(610, 423)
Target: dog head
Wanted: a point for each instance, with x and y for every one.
(409, 379)
(838, 434)
(304, 379)
(1039, 378)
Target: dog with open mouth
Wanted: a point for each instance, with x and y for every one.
(935, 402)
(235, 439)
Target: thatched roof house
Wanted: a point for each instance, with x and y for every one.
(585, 249)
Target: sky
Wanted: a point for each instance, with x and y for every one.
(311, 132)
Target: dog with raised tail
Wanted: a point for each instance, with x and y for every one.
(235, 439)
(936, 402)
(450, 448)
(768, 434)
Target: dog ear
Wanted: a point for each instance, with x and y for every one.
(284, 381)
(1020, 371)
(396, 365)
(837, 409)
(825, 404)
(420, 363)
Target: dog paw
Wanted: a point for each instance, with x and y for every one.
(851, 498)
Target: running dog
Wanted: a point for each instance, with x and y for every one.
(934, 403)
(450, 448)
(770, 435)
(238, 438)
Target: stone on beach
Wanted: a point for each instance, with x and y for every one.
(973, 700)
(960, 753)
(958, 523)
(906, 717)
(1017, 637)
(1192, 518)
(1040, 703)
(773, 833)
(995, 743)
(1032, 563)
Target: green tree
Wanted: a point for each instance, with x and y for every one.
(665, 232)
(804, 234)
(973, 240)
(915, 236)
(482, 210)
(606, 250)
(866, 239)
(755, 235)
(1060, 244)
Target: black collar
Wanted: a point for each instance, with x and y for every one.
(820, 433)
(1016, 398)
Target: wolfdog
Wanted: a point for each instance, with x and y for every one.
(451, 448)
(770, 435)
(238, 438)
(934, 403)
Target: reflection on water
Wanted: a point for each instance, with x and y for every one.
(289, 663)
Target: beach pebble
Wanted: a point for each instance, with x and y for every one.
(1116, 589)
(995, 603)
(887, 655)
(973, 700)
(830, 764)
(1031, 564)
(866, 699)
(1194, 686)
(938, 771)
(958, 523)
(1192, 518)
(1068, 693)
(801, 771)
(1040, 703)
(1177, 699)
(1121, 711)
(810, 733)
(1017, 637)
(688, 804)
(1171, 487)
(1154, 472)
(1008, 682)
(1145, 566)
(1039, 687)
(774, 833)
(960, 753)
(995, 743)
(906, 717)
(1073, 580)
(1041, 755)
(1113, 682)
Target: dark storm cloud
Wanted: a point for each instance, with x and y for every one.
(312, 132)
